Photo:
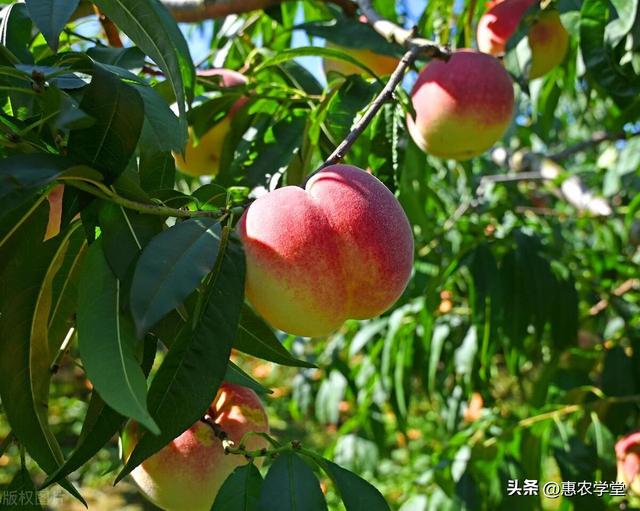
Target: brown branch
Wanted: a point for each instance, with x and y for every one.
(530, 165)
(385, 94)
(394, 33)
(625, 287)
(110, 29)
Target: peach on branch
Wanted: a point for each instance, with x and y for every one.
(340, 248)
(202, 157)
(462, 106)
(187, 474)
(548, 39)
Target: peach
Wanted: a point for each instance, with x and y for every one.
(203, 158)
(628, 457)
(463, 106)
(548, 39)
(340, 248)
(380, 64)
(499, 23)
(187, 474)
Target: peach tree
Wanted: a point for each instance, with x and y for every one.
(428, 223)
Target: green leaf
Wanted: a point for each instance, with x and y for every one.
(125, 233)
(256, 338)
(127, 58)
(23, 176)
(161, 129)
(25, 302)
(101, 424)
(157, 170)
(15, 32)
(353, 96)
(619, 82)
(106, 340)
(188, 379)
(110, 142)
(171, 267)
(23, 491)
(291, 485)
(240, 491)
(50, 16)
(311, 51)
(151, 27)
(357, 494)
(236, 375)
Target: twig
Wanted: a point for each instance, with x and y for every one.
(385, 94)
(55, 365)
(595, 140)
(622, 289)
(394, 33)
(147, 209)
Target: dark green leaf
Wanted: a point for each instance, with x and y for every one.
(110, 142)
(357, 494)
(127, 58)
(107, 342)
(151, 27)
(20, 494)
(236, 375)
(171, 267)
(25, 294)
(291, 485)
(240, 491)
(50, 16)
(125, 234)
(188, 379)
(256, 338)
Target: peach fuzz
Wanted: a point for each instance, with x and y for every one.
(340, 248)
(463, 106)
(203, 158)
(187, 474)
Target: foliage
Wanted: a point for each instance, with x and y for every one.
(513, 354)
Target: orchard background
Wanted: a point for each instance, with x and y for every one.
(512, 354)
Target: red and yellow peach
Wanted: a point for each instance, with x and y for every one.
(462, 106)
(202, 157)
(187, 474)
(548, 39)
(340, 248)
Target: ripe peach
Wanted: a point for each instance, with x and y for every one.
(462, 106)
(548, 39)
(187, 474)
(499, 23)
(203, 158)
(340, 248)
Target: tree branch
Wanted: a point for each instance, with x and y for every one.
(110, 29)
(394, 33)
(417, 46)
(526, 165)
(385, 94)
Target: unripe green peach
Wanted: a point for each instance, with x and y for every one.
(187, 474)
(203, 158)
(463, 106)
(339, 248)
